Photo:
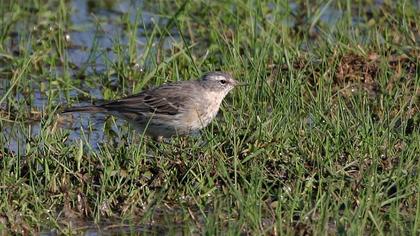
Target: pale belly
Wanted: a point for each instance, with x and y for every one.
(189, 121)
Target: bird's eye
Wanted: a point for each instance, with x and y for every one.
(223, 81)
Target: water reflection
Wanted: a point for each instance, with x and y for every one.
(95, 28)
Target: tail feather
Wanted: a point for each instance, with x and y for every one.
(90, 108)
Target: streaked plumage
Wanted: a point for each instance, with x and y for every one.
(173, 109)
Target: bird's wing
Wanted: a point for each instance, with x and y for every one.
(164, 100)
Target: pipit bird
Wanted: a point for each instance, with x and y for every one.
(173, 109)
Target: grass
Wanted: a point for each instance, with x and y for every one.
(325, 140)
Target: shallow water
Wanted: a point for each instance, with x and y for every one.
(95, 27)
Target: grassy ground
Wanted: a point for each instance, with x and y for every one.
(325, 140)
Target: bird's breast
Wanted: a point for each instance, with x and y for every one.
(207, 109)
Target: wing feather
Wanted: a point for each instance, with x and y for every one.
(165, 100)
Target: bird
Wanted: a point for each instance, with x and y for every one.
(174, 109)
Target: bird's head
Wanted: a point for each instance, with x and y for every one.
(219, 82)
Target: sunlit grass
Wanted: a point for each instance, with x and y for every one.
(324, 140)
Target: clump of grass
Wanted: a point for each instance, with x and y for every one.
(325, 140)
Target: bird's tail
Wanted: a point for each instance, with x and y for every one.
(90, 108)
